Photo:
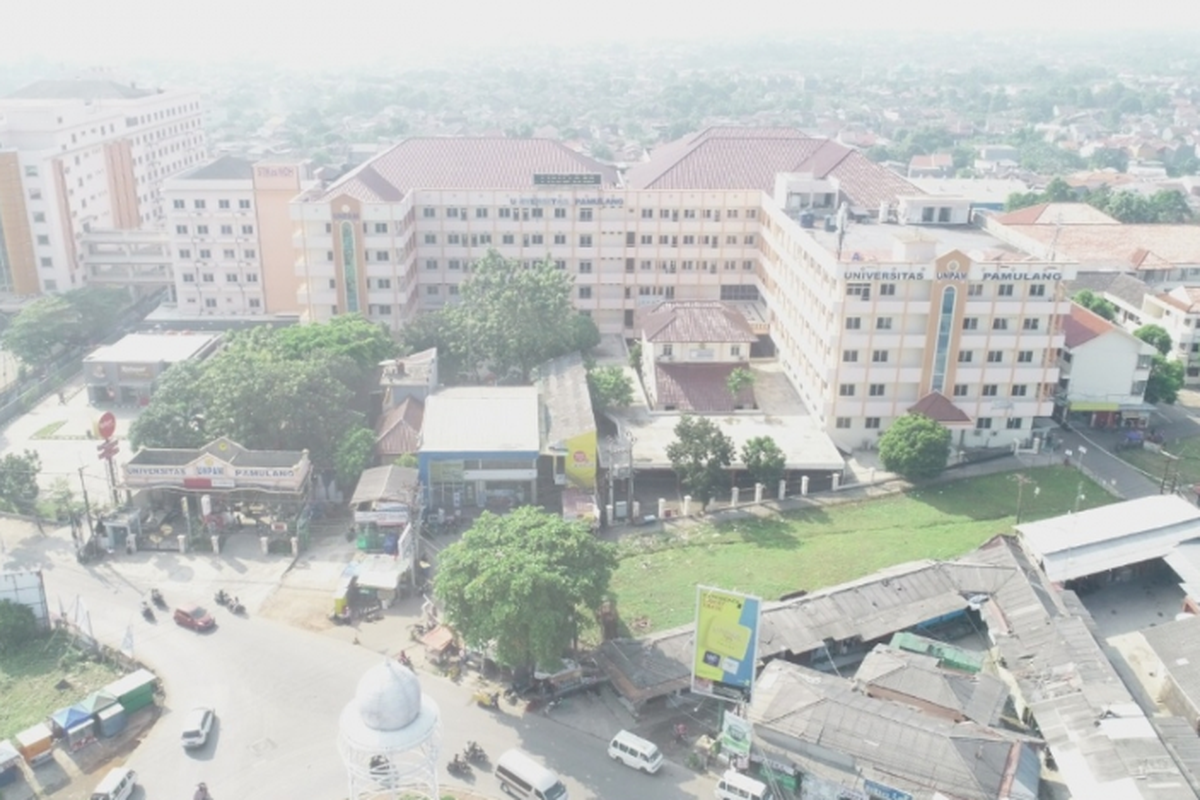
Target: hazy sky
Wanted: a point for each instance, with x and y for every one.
(352, 31)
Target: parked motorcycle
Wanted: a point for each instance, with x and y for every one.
(459, 766)
(147, 612)
(487, 700)
(474, 754)
(159, 601)
(201, 792)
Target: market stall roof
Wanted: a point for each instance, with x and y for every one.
(438, 639)
(67, 718)
(131, 682)
(30, 736)
(390, 483)
(98, 701)
(380, 572)
(8, 755)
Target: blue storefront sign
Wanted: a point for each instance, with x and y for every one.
(881, 792)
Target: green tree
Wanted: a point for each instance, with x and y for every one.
(1109, 158)
(1059, 191)
(513, 317)
(915, 447)
(349, 335)
(1096, 304)
(18, 481)
(738, 381)
(1166, 379)
(439, 330)
(354, 454)
(610, 387)
(764, 460)
(1155, 335)
(1170, 207)
(520, 583)
(700, 455)
(635, 356)
(18, 625)
(73, 319)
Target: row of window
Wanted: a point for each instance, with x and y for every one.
(863, 290)
(211, 302)
(982, 423)
(208, 277)
(964, 356)
(586, 213)
(960, 390)
(969, 324)
(203, 230)
(200, 205)
(229, 254)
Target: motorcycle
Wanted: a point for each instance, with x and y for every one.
(474, 754)
(147, 613)
(458, 766)
(236, 607)
(220, 598)
(405, 660)
(201, 792)
(157, 598)
(487, 700)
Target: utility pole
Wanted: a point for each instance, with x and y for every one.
(1170, 476)
(1082, 474)
(1021, 481)
(87, 506)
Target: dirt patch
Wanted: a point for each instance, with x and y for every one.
(301, 607)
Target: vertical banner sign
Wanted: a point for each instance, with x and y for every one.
(726, 654)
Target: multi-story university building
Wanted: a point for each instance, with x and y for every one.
(879, 299)
(80, 157)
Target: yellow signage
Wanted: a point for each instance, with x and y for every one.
(726, 654)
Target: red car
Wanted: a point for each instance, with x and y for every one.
(194, 617)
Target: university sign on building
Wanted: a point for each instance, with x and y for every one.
(220, 465)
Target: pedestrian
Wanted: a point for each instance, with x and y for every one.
(62, 398)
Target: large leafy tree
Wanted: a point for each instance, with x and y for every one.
(700, 455)
(764, 460)
(17, 624)
(1096, 304)
(610, 387)
(353, 455)
(18, 481)
(1155, 335)
(1166, 379)
(73, 319)
(915, 446)
(351, 336)
(520, 582)
(514, 317)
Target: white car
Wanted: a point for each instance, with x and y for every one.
(196, 726)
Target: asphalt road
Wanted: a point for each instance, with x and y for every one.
(278, 692)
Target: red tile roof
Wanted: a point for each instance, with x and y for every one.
(695, 321)
(399, 429)
(1057, 214)
(466, 162)
(1082, 326)
(940, 408)
(749, 158)
(698, 387)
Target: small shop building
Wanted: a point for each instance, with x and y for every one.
(480, 447)
(126, 373)
(382, 505)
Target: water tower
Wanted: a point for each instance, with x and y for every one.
(389, 736)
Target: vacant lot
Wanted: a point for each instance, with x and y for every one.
(655, 583)
(29, 674)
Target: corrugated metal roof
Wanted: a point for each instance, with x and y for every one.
(567, 410)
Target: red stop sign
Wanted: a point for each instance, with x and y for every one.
(107, 425)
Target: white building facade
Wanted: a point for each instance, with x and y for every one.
(91, 155)
(869, 318)
(1103, 371)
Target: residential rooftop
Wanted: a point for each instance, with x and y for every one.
(154, 348)
(80, 89)
(567, 402)
(1083, 325)
(482, 419)
(225, 168)
(1139, 247)
(876, 243)
(694, 321)
(1057, 214)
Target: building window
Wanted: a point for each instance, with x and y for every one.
(749, 239)
(1018, 390)
(999, 324)
(452, 213)
(431, 263)
(202, 230)
(250, 253)
(181, 229)
(185, 253)
(429, 212)
(210, 302)
(960, 390)
(46, 261)
(506, 238)
(843, 422)
(970, 323)
(585, 240)
(1025, 357)
(846, 390)
(350, 267)
(381, 227)
(481, 213)
(965, 356)
(254, 302)
(383, 283)
(668, 350)
(887, 290)
(560, 263)
(983, 423)
(251, 277)
(877, 390)
(990, 390)
(560, 213)
(452, 290)
(455, 263)
(1037, 290)
(853, 323)
(198, 204)
(585, 214)
(585, 293)
(585, 267)
(231, 277)
(227, 230)
(178, 204)
(1030, 324)
(850, 356)
(1138, 389)
(975, 290)
(35, 194)
(1005, 290)
(1013, 423)
(228, 254)
(879, 356)
(872, 423)
(883, 324)
(222, 204)
(536, 238)
(560, 238)
(205, 253)
(39, 216)
(383, 255)
(244, 204)
(207, 277)
(859, 290)
(995, 356)
(431, 238)
(431, 290)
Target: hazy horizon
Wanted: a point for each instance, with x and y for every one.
(359, 32)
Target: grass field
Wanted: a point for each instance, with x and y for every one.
(1155, 464)
(28, 676)
(655, 583)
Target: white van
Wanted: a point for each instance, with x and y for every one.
(117, 784)
(636, 752)
(736, 786)
(522, 777)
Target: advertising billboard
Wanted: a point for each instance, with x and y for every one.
(724, 662)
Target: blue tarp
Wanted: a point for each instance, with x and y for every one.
(67, 718)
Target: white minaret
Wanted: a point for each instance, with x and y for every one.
(389, 737)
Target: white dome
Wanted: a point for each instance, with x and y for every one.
(388, 697)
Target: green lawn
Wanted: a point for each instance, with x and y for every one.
(28, 676)
(655, 582)
(1188, 451)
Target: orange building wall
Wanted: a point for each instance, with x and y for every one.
(274, 187)
(14, 218)
(122, 185)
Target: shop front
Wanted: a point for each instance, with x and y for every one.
(126, 373)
